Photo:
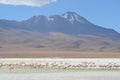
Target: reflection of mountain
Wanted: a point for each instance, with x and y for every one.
(67, 31)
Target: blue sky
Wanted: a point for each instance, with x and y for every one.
(105, 13)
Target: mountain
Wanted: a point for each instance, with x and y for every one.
(68, 23)
(68, 31)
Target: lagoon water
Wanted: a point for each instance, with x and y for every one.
(81, 75)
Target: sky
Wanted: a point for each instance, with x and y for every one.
(105, 13)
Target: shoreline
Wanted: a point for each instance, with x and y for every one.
(58, 64)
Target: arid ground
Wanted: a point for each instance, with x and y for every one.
(30, 53)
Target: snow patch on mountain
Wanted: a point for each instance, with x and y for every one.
(74, 17)
(50, 18)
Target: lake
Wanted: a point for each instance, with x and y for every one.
(65, 75)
